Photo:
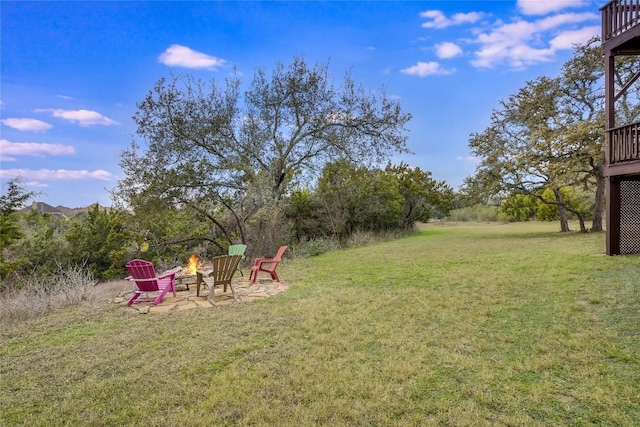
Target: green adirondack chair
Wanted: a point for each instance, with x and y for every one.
(238, 250)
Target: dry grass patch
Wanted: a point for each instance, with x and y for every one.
(68, 288)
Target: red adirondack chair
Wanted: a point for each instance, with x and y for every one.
(268, 265)
(147, 282)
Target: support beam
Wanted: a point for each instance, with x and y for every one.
(613, 216)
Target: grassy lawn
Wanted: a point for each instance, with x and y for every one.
(459, 325)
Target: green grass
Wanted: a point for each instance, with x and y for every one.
(459, 325)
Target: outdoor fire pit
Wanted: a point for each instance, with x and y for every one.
(187, 275)
(184, 280)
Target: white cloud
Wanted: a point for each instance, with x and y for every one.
(23, 124)
(468, 159)
(423, 69)
(83, 118)
(516, 56)
(182, 56)
(36, 184)
(568, 39)
(448, 50)
(522, 43)
(57, 175)
(556, 21)
(438, 20)
(33, 149)
(543, 7)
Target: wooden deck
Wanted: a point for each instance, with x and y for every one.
(620, 36)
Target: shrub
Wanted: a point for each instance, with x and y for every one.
(362, 238)
(518, 207)
(70, 286)
(316, 247)
(474, 213)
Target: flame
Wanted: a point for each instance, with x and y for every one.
(194, 264)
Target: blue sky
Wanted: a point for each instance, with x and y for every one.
(72, 72)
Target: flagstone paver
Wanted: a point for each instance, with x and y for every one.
(186, 298)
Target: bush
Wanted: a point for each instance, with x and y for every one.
(69, 287)
(362, 238)
(366, 238)
(317, 247)
(478, 212)
(518, 207)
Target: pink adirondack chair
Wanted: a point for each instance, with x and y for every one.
(147, 282)
(268, 265)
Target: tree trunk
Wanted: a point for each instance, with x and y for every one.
(599, 205)
(562, 212)
(579, 215)
(583, 228)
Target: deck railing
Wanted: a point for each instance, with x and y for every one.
(618, 16)
(624, 144)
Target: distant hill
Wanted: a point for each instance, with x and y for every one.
(61, 211)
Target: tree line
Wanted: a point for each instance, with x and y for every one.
(298, 158)
(348, 200)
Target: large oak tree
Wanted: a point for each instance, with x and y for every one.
(550, 135)
(228, 154)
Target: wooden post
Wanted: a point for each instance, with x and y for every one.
(613, 185)
(613, 215)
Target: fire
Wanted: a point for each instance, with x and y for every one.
(194, 264)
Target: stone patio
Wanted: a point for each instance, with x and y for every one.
(186, 296)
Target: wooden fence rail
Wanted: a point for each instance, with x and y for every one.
(624, 144)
